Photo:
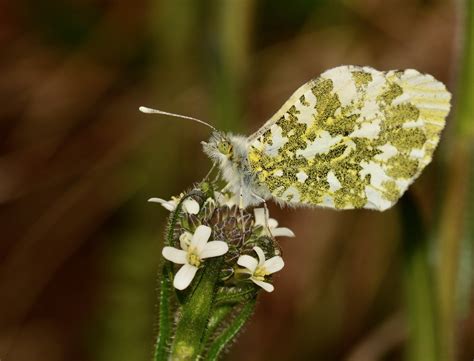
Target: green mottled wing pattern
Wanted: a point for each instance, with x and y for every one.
(354, 137)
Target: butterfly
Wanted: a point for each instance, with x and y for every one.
(354, 137)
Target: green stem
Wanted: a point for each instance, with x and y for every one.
(195, 315)
(164, 321)
(419, 286)
(231, 331)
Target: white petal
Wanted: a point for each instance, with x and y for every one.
(213, 249)
(156, 200)
(259, 214)
(274, 264)
(174, 255)
(272, 223)
(185, 240)
(282, 232)
(265, 285)
(190, 206)
(260, 254)
(169, 205)
(200, 237)
(184, 276)
(248, 262)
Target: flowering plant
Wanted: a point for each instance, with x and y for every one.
(210, 262)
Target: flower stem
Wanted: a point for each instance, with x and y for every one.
(164, 322)
(195, 314)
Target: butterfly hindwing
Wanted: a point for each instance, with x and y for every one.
(354, 137)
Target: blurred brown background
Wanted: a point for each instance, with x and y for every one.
(80, 246)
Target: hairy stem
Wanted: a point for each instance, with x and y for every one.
(164, 321)
(195, 315)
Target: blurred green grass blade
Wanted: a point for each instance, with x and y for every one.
(465, 104)
(455, 236)
(466, 260)
(234, 23)
(419, 286)
(465, 114)
(230, 332)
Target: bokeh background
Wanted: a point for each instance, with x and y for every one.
(80, 246)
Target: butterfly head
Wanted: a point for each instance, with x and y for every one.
(219, 147)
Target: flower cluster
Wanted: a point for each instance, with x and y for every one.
(206, 224)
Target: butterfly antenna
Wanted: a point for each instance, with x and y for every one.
(156, 111)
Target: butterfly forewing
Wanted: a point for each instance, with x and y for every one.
(353, 138)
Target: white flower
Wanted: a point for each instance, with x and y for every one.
(195, 248)
(189, 205)
(260, 268)
(271, 225)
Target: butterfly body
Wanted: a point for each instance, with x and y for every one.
(355, 137)
(230, 152)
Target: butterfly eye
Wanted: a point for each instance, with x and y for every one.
(225, 147)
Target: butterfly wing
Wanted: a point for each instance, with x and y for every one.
(354, 137)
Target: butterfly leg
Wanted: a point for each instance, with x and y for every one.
(266, 213)
(209, 173)
(226, 188)
(241, 208)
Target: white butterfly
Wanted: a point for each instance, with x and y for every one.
(354, 137)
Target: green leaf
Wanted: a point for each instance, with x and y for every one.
(230, 332)
(233, 295)
(218, 315)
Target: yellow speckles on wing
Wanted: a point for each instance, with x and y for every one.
(392, 91)
(254, 158)
(352, 138)
(390, 191)
(407, 139)
(401, 114)
(361, 79)
(304, 102)
(402, 166)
